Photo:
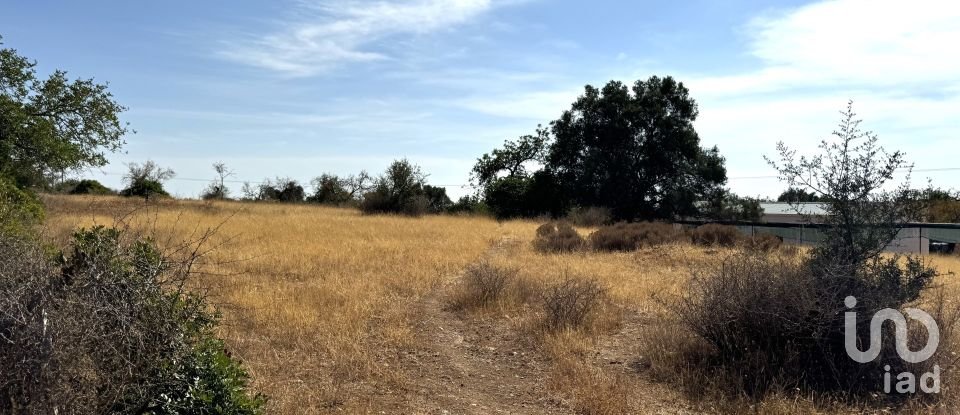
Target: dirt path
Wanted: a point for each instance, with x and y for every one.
(478, 365)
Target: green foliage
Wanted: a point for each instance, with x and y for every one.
(781, 322)
(507, 197)
(109, 328)
(438, 201)
(941, 206)
(212, 382)
(146, 180)
(514, 158)
(53, 125)
(217, 190)
(84, 187)
(399, 190)
(147, 189)
(635, 151)
(469, 204)
(284, 190)
(797, 195)
(724, 205)
(632, 150)
(20, 209)
(521, 196)
(329, 189)
(335, 190)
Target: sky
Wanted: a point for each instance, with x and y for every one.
(297, 88)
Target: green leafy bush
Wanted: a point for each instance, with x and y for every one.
(20, 209)
(147, 189)
(402, 189)
(469, 205)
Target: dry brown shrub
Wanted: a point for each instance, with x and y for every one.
(789, 250)
(762, 242)
(765, 325)
(589, 389)
(713, 234)
(575, 303)
(484, 284)
(591, 216)
(558, 237)
(631, 236)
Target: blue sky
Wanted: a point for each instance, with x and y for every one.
(302, 87)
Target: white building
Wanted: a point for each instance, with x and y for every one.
(909, 240)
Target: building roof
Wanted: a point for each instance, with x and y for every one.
(806, 208)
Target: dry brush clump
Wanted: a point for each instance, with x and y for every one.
(558, 237)
(625, 236)
(574, 304)
(110, 328)
(762, 242)
(590, 216)
(714, 234)
(772, 323)
(484, 284)
(795, 322)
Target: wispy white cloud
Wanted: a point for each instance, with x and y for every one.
(325, 33)
(893, 59)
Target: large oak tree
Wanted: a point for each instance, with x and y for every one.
(52, 125)
(632, 149)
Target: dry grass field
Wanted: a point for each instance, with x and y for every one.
(336, 312)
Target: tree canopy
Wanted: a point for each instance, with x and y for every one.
(54, 125)
(632, 149)
(798, 195)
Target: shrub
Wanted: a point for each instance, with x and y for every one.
(782, 321)
(631, 236)
(558, 237)
(83, 187)
(483, 284)
(147, 189)
(437, 199)
(214, 191)
(339, 191)
(507, 197)
(472, 205)
(400, 190)
(91, 187)
(146, 180)
(713, 234)
(591, 216)
(776, 321)
(20, 209)
(573, 304)
(108, 328)
(762, 242)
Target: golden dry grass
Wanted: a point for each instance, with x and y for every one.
(317, 299)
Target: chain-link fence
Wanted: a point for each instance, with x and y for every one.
(914, 237)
